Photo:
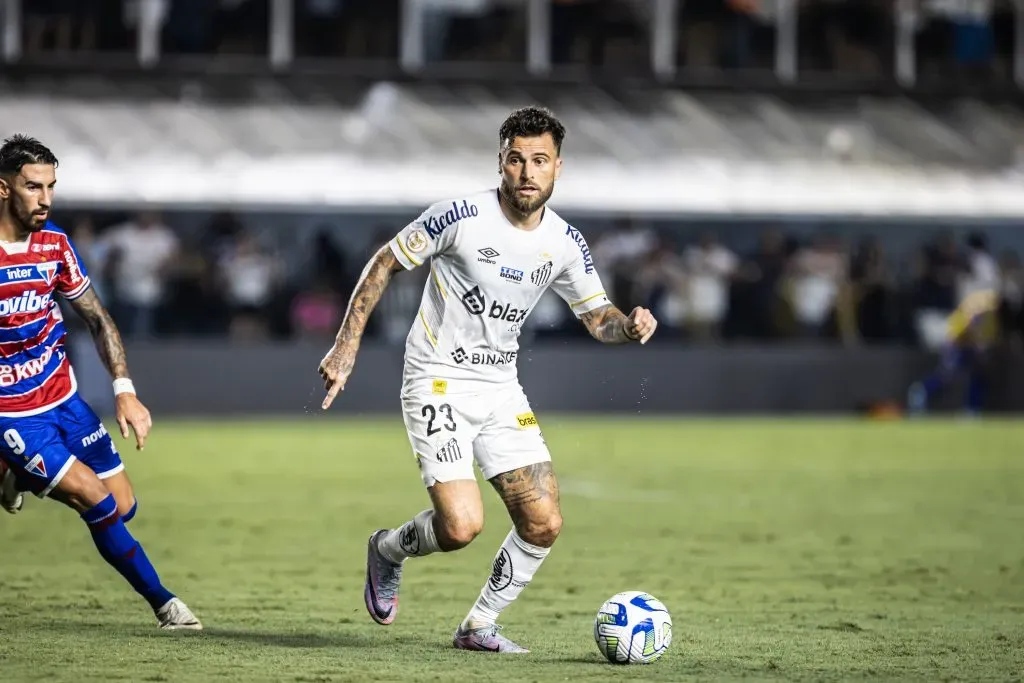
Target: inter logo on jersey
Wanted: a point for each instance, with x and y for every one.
(511, 274)
(541, 276)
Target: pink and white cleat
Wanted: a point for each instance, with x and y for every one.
(383, 578)
(485, 639)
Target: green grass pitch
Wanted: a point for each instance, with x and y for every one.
(797, 550)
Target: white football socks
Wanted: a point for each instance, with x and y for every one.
(415, 538)
(514, 567)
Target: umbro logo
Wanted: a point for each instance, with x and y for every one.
(488, 255)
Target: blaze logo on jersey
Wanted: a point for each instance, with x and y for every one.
(28, 302)
(577, 237)
(511, 274)
(541, 276)
(473, 300)
(436, 225)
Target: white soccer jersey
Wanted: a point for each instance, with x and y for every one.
(485, 277)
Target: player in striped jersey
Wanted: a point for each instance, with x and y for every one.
(51, 442)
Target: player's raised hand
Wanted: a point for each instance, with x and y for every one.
(641, 324)
(131, 413)
(334, 369)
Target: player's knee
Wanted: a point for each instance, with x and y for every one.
(540, 531)
(453, 534)
(127, 512)
(80, 488)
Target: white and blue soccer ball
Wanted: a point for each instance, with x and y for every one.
(633, 628)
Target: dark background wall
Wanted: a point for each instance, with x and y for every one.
(216, 378)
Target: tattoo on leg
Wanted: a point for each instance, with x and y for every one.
(525, 487)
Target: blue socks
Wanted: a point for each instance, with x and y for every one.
(117, 546)
(128, 516)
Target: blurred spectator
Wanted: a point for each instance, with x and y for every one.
(710, 268)
(618, 252)
(660, 283)
(755, 308)
(872, 292)
(981, 271)
(95, 253)
(1012, 294)
(316, 313)
(61, 25)
(142, 253)
(818, 274)
(249, 276)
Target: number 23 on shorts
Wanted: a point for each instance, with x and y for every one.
(438, 418)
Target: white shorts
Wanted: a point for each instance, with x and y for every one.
(496, 429)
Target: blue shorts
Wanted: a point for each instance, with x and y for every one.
(955, 358)
(41, 448)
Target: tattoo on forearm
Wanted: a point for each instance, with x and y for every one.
(367, 293)
(526, 486)
(607, 324)
(104, 333)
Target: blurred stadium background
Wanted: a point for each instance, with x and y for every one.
(802, 190)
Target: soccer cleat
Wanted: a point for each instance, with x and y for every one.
(383, 578)
(11, 499)
(485, 639)
(176, 616)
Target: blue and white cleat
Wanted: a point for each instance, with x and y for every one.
(11, 499)
(485, 639)
(383, 578)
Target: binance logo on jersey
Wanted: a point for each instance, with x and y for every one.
(437, 224)
(577, 237)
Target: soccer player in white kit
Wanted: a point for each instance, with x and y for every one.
(491, 256)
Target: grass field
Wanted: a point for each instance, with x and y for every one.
(785, 551)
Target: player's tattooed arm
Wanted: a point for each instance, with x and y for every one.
(337, 365)
(104, 332)
(609, 325)
(367, 293)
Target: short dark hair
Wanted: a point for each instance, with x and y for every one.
(531, 122)
(21, 150)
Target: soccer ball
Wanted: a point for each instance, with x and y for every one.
(633, 628)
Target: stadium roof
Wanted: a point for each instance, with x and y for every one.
(390, 144)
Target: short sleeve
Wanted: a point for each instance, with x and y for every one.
(431, 234)
(72, 280)
(578, 283)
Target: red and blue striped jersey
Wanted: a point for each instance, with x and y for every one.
(35, 373)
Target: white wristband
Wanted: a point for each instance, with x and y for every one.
(123, 385)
